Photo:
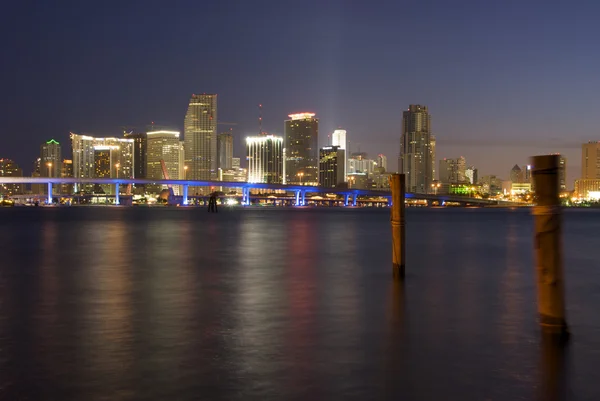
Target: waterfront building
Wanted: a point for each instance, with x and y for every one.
(225, 151)
(200, 137)
(139, 153)
(358, 181)
(338, 138)
(416, 153)
(587, 188)
(471, 175)
(265, 159)
(98, 157)
(50, 159)
(332, 160)
(301, 133)
(8, 168)
(382, 162)
(590, 160)
(66, 172)
(562, 173)
(516, 174)
(164, 146)
(432, 151)
(235, 163)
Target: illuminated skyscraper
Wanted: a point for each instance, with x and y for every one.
(382, 161)
(332, 160)
(51, 160)
(166, 146)
(302, 149)
(200, 137)
(139, 153)
(66, 172)
(9, 168)
(265, 159)
(562, 173)
(225, 151)
(338, 138)
(590, 160)
(416, 158)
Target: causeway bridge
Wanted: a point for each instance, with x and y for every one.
(349, 195)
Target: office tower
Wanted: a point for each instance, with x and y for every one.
(225, 151)
(590, 160)
(358, 163)
(562, 173)
(8, 168)
(164, 146)
(332, 160)
(382, 162)
(50, 163)
(101, 158)
(139, 153)
(448, 171)
(66, 172)
(338, 138)
(516, 174)
(302, 149)
(265, 159)
(433, 172)
(200, 137)
(471, 175)
(415, 159)
(235, 163)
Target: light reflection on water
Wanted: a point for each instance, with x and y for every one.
(153, 304)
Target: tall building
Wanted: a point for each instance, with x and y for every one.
(8, 168)
(164, 146)
(471, 175)
(66, 172)
(302, 149)
(416, 156)
(101, 158)
(562, 173)
(225, 151)
(516, 175)
(235, 162)
(51, 159)
(338, 138)
(432, 146)
(200, 137)
(590, 160)
(332, 160)
(139, 153)
(453, 171)
(265, 159)
(382, 162)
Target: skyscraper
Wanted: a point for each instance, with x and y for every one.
(415, 149)
(332, 160)
(516, 175)
(164, 146)
(51, 160)
(382, 161)
(200, 137)
(590, 160)
(8, 168)
(265, 159)
(139, 153)
(562, 173)
(338, 138)
(67, 172)
(225, 150)
(302, 149)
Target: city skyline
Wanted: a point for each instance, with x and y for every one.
(473, 70)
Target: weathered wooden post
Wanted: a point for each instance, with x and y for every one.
(398, 186)
(548, 246)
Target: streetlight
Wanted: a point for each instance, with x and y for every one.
(435, 186)
(117, 167)
(49, 167)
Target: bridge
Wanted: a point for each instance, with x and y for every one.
(300, 191)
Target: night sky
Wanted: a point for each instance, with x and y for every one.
(504, 80)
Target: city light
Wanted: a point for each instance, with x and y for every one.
(301, 116)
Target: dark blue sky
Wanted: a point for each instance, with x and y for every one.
(503, 79)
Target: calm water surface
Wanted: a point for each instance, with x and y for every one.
(282, 304)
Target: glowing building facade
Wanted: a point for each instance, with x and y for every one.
(302, 149)
(332, 160)
(265, 159)
(416, 151)
(200, 137)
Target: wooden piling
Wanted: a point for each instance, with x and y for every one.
(398, 186)
(548, 246)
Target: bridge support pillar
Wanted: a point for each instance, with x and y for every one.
(185, 195)
(303, 201)
(117, 200)
(297, 203)
(245, 196)
(354, 198)
(49, 193)
(389, 199)
(346, 196)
